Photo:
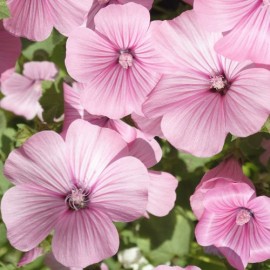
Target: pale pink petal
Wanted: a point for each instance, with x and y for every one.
(104, 266)
(22, 96)
(166, 267)
(261, 209)
(128, 133)
(30, 256)
(248, 96)
(197, 127)
(121, 190)
(40, 70)
(30, 213)
(10, 49)
(220, 15)
(53, 264)
(41, 160)
(29, 19)
(146, 150)
(221, 200)
(67, 15)
(259, 238)
(151, 127)
(92, 150)
(249, 40)
(162, 196)
(83, 238)
(127, 26)
(96, 6)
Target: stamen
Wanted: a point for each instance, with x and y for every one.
(77, 199)
(243, 216)
(218, 83)
(125, 59)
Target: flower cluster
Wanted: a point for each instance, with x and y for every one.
(128, 84)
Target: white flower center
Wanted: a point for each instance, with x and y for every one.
(125, 59)
(77, 199)
(243, 216)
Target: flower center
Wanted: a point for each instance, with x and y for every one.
(243, 216)
(77, 199)
(125, 59)
(218, 83)
(103, 2)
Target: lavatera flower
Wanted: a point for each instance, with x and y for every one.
(75, 187)
(117, 61)
(209, 96)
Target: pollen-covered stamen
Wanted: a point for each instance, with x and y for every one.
(125, 59)
(243, 216)
(218, 83)
(77, 199)
(103, 2)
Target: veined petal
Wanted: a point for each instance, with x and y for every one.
(84, 237)
(29, 19)
(121, 190)
(40, 161)
(162, 196)
(91, 151)
(37, 212)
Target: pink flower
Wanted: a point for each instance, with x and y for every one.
(53, 264)
(76, 187)
(117, 60)
(228, 171)
(35, 19)
(161, 193)
(165, 267)
(245, 25)
(99, 4)
(209, 96)
(10, 49)
(30, 256)
(22, 92)
(237, 223)
(264, 158)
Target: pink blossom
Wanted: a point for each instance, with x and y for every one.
(209, 96)
(237, 223)
(161, 193)
(166, 267)
(10, 49)
(228, 171)
(117, 60)
(22, 92)
(30, 256)
(35, 19)
(53, 264)
(245, 25)
(76, 187)
(264, 157)
(99, 4)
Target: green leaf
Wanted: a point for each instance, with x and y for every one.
(161, 239)
(4, 11)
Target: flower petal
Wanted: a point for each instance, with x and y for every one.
(30, 213)
(161, 196)
(29, 19)
(197, 126)
(41, 161)
(30, 256)
(92, 150)
(246, 103)
(249, 40)
(121, 190)
(84, 237)
(40, 70)
(67, 15)
(127, 26)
